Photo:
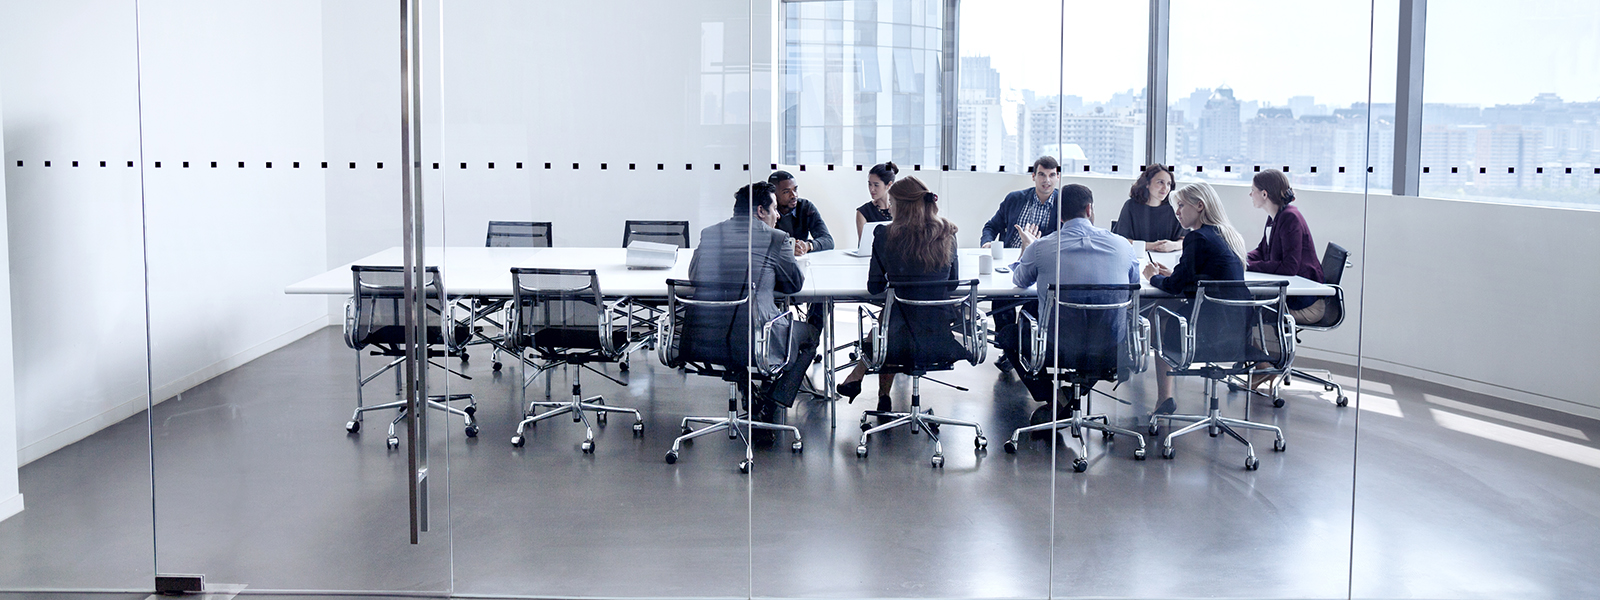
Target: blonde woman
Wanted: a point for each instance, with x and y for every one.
(1212, 251)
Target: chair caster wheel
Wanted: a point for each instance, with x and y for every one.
(1251, 464)
(495, 365)
(684, 430)
(638, 427)
(938, 461)
(1010, 447)
(932, 427)
(471, 411)
(1075, 433)
(600, 419)
(1154, 430)
(1327, 388)
(672, 457)
(517, 441)
(865, 426)
(980, 443)
(472, 431)
(393, 442)
(744, 466)
(1280, 445)
(797, 447)
(353, 427)
(1080, 465)
(1106, 435)
(1168, 453)
(1138, 454)
(465, 356)
(1234, 387)
(1342, 401)
(861, 451)
(587, 446)
(622, 367)
(1277, 402)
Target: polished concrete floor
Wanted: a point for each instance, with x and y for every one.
(1414, 491)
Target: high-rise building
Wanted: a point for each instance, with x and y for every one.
(1220, 138)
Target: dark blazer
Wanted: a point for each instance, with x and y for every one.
(1010, 210)
(805, 223)
(1206, 257)
(1286, 248)
(737, 251)
(922, 333)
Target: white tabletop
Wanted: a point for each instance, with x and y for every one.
(478, 271)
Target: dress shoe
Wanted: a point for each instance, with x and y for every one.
(849, 389)
(1167, 407)
(1003, 363)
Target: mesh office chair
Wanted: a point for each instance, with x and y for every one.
(699, 333)
(664, 232)
(1094, 334)
(1335, 259)
(518, 234)
(375, 318)
(1225, 335)
(923, 327)
(506, 234)
(562, 317)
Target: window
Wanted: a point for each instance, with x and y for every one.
(1517, 120)
(859, 81)
(1250, 85)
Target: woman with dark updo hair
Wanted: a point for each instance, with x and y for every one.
(1286, 246)
(918, 246)
(876, 210)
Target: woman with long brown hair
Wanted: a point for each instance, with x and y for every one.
(918, 246)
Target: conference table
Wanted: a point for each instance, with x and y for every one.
(830, 276)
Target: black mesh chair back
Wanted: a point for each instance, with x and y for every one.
(1230, 319)
(561, 314)
(1093, 330)
(518, 234)
(663, 232)
(378, 309)
(705, 323)
(1334, 259)
(928, 326)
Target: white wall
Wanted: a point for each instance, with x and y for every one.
(10, 493)
(219, 82)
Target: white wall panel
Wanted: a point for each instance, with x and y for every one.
(10, 493)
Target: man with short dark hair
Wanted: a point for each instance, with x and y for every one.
(1078, 253)
(1032, 210)
(746, 249)
(798, 216)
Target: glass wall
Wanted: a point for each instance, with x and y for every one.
(225, 201)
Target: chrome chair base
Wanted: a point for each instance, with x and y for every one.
(1078, 422)
(736, 426)
(434, 402)
(918, 420)
(1326, 380)
(1215, 423)
(576, 406)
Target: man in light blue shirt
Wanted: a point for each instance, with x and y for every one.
(1076, 253)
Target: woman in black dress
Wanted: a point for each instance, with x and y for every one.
(919, 246)
(877, 210)
(1147, 216)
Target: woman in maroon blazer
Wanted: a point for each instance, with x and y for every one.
(1286, 246)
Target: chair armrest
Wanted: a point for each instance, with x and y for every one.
(763, 340)
(666, 326)
(1031, 341)
(1141, 344)
(350, 323)
(1185, 338)
(880, 349)
(1286, 339)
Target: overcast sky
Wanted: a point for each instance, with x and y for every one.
(1479, 51)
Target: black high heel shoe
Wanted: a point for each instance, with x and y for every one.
(850, 389)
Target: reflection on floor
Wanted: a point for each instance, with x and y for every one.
(1455, 495)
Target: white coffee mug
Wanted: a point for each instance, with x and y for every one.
(997, 250)
(985, 264)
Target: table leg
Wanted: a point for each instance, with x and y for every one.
(827, 363)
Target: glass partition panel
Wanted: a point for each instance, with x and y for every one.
(274, 204)
(75, 491)
(569, 131)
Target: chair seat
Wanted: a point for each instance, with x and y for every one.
(395, 335)
(558, 338)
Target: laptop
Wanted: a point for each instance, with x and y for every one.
(867, 233)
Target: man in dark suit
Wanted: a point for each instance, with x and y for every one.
(1033, 212)
(747, 251)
